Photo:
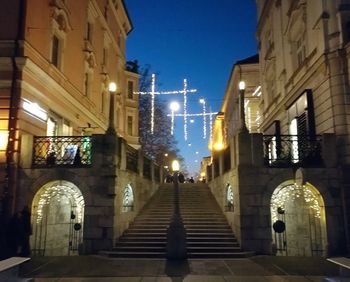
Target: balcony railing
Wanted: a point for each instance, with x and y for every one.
(289, 150)
(54, 151)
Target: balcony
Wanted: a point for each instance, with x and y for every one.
(292, 150)
(61, 151)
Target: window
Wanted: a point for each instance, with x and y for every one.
(130, 89)
(129, 127)
(55, 52)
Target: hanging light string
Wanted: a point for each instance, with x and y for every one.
(194, 115)
(204, 121)
(172, 122)
(153, 93)
(185, 109)
(152, 101)
(211, 125)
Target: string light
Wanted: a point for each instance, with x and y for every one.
(290, 193)
(202, 101)
(152, 101)
(194, 115)
(185, 109)
(153, 93)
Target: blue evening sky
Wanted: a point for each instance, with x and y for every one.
(195, 39)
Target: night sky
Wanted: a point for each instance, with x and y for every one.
(194, 39)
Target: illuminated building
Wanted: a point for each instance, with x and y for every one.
(285, 175)
(57, 60)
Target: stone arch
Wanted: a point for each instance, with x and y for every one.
(57, 218)
(128, 198)
(298, 220)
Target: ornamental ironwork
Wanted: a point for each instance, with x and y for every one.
(289, 150)
(55, 151)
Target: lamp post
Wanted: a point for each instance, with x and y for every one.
(174, 106)
(176, 233)
(202, 101)
(112, 87)
(241, 100)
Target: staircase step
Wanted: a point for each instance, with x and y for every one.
(208, 234)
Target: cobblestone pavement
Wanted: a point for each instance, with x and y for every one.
(257, 268)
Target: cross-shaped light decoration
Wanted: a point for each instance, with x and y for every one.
(153, 93)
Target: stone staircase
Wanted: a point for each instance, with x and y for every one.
(208, 234)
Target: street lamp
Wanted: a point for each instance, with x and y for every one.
(112, 87)
(175, 166)
(202, 101)
(241, 87)
(174, 106)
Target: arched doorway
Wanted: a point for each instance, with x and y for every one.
(57, 217)
(298, 220)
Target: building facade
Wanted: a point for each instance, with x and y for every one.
(287, 177)
(57, 60)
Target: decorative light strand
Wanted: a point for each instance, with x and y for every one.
(153, 93)
(282, 196)
(152, 101)
(204, 120)
(194, 115)
(185, 109)
(166, 92)
(172, 123)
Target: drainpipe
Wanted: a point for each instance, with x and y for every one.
(9, 195)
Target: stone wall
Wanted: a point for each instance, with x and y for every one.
(101, 186)
(253, 185)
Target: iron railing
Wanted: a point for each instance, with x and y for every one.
(53, 151)
(290, 150)
(131, 158)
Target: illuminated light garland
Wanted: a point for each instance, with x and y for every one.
(166, 92)
(153, 93)
(58, 192)
(185, 109)
(211, 126)
(194, 115)
(202, 101)
(152, 101)
(291, 193)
